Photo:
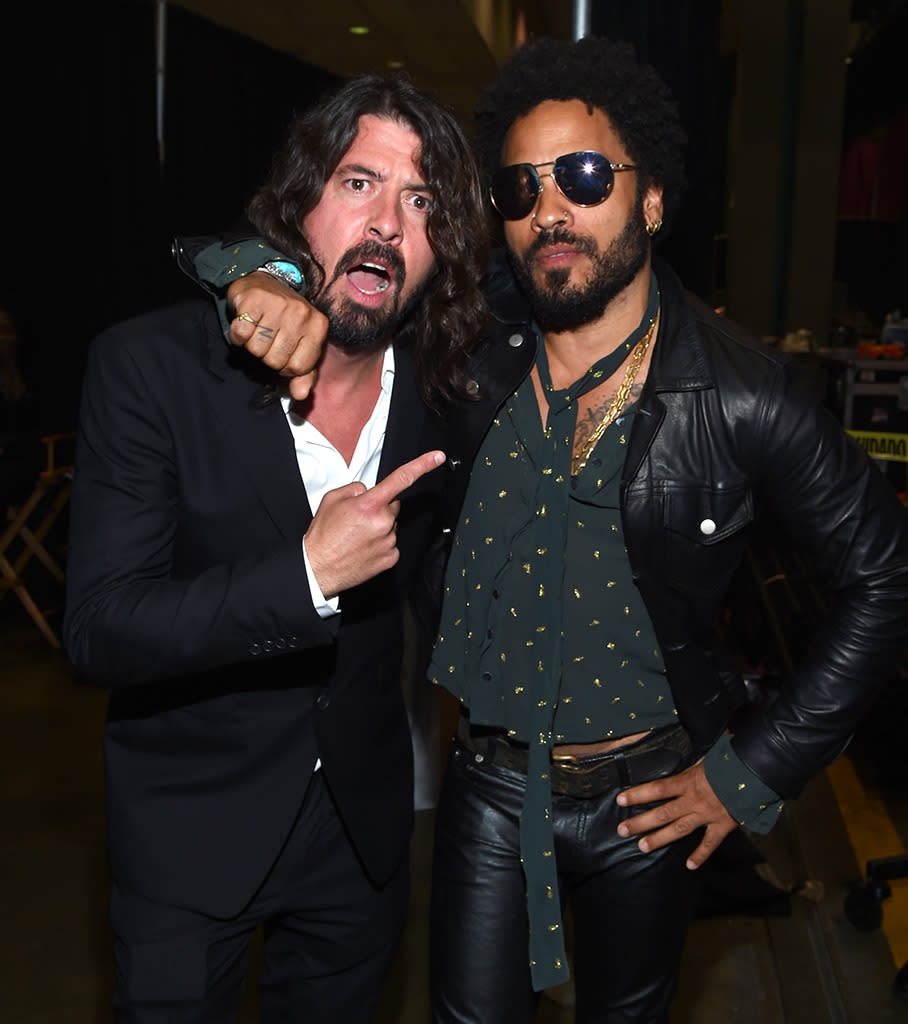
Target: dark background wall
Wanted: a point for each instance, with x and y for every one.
(88, 207)
(872, 250)
(680, 38)
(90, 210)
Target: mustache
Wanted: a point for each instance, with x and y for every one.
(387, 255)
(562, 236)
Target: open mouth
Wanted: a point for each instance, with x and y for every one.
(369, 278)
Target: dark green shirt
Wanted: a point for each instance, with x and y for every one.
(610, 680)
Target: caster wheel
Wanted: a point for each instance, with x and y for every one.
(863, 905)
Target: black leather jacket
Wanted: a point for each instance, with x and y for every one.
(727, 430)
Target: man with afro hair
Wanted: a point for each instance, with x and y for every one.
(630, 440)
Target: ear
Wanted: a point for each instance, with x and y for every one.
(652, 205)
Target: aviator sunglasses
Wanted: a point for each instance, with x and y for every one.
(584, 178)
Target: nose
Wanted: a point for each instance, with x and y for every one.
(551, 206)
(385, 221)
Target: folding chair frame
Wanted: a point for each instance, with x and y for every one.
(52, 478)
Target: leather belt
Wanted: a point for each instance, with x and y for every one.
(661, 752)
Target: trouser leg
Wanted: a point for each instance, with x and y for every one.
(175, 966)
(330, 948)
(330, 938)
(479, 932)
(631, 911)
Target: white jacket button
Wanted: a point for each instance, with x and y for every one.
(707, 527)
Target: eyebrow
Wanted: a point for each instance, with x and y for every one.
(368, 172)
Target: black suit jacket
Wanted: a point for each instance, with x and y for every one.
(187, 596)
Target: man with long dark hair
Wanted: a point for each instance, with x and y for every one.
(237, 569)
(630, 439)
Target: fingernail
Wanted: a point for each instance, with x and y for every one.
(439, 458)
(622, 831)
(644, 845)
(691, 865)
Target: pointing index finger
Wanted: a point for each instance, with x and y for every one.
(396, 482)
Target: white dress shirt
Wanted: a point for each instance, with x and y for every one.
(323, 468)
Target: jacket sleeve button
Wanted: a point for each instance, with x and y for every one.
(255, 648)
(322, 701)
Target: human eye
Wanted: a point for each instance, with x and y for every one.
(421, 202)
(358, 186)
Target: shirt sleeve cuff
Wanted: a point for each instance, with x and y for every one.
(218, 266)
(325, 607)
(746, 797)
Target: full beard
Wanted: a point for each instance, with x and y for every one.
(351, 325)
(560, 307)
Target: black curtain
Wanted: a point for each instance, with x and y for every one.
(229, 100)
(89, 210)
(680, 39)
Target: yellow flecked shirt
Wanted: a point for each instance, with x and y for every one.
(610, 677)
(515, 581)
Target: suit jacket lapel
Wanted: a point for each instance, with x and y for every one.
(411, 429)
(246, 399)
(252, 421)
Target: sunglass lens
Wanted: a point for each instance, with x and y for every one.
(585, 178)
(514, 190)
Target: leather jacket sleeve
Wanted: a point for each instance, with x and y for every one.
(833, 503)
(728, 433)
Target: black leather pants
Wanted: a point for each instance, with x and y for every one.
(630, 909)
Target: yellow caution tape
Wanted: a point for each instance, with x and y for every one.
(892, 447)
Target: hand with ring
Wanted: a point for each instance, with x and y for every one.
(293, 346)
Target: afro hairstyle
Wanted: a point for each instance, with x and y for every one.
(601, 73)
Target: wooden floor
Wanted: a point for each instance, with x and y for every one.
(810, 967)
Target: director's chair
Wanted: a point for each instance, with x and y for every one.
(28, 525)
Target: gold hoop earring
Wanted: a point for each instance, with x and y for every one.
(651, 229)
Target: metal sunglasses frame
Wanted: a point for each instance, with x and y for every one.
(551, 174)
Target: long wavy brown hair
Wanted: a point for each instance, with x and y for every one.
(447, 322)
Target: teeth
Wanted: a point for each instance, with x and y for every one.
(382, 287)
(370, 278)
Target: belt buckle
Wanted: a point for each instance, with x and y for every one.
(572, 763)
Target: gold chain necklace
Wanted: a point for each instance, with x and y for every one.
(618, 402)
